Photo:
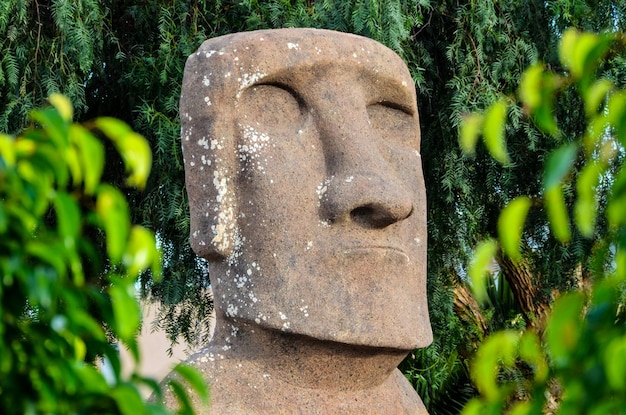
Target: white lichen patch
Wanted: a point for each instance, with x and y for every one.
(349, 179)
(324, 224)
(206, 81)
(309, 245)
(405, 84)
(225, 232)
(418, 241)
(250, 151)
(249, 79)
(322, 188)
(231, 310)
(293, 46)
(204, 143)
(207, 101)
(417, 154)
(305, 310)
(211, 53)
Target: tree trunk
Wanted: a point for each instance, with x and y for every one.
(534, 304)
(468, 310)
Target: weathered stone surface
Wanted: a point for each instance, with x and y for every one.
(307, 197)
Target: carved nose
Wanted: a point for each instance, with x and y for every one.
(368, 201)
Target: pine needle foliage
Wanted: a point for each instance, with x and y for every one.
(125, 59)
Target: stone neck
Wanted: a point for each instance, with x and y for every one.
(304, 361)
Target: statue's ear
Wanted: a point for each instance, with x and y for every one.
(209, 154)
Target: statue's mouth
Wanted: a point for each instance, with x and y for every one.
(386, 250)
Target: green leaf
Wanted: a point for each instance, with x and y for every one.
(91, 153)
(52, 255)
(128, 399)
(531, 351)
(615, 364)
(133, 148)
(195, 380)
(564, 327)
(63, 106)
(557, 213)
(183, 397)
(126, 310)
(581, 53)
(586, 207)
(7, 150)
(559, 164)
(471, 125)
(113, 213)
(537, 92)
(54, 125)
(68, 215)
(498, 349)
(493, 131)
(480, 267)
(91, 378)
(595, 95)
(531, 85)
(141, 251)
(616, 115)
(511, 225)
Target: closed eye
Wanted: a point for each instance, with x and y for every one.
(395, 106)
(301, 103)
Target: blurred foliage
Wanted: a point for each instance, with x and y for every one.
(125, 59)
(63, 304)
(575, 366)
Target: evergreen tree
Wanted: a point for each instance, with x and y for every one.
(125, 59)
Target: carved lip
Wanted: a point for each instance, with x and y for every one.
(369, 249)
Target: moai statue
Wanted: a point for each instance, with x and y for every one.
(307, 199)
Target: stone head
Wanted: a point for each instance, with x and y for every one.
(305, 185)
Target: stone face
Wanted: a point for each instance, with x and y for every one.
(306, 195)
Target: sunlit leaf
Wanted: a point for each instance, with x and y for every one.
(498, 349)
(133, 147)
(91, 152)
(480, 267)
(557, 213)
(511, 225)
(520, 408)
(141, 251)
(7, 150)
(54, 125)
(113, 212)
(615, 364)
(493, 131)
(73, 164)
(531, 85)
(126, 308)
(63, 106)
(469, 133)
(138, 159)
(586, 207)
(566, 50)
(596, 94)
